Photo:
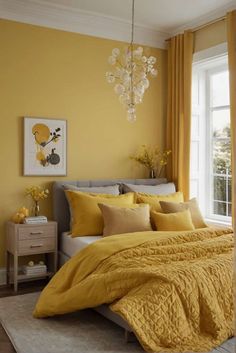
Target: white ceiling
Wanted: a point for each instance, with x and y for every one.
(162, 15)
(155, 20)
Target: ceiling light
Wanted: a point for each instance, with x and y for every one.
(131, 69)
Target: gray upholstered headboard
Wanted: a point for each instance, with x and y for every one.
(61, 212)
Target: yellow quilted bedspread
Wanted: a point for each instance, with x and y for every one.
(173, 288)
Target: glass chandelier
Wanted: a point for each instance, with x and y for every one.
(131, 69)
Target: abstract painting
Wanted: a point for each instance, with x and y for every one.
(44, 146)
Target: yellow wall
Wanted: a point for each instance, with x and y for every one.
(50, 73)
(210, 36)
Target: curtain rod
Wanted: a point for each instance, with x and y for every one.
(193, 30)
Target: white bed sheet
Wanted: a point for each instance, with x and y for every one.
(70, 246)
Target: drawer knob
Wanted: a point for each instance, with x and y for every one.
(36, 246)
(36, 233)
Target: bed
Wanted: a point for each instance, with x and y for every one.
(68, 246)
(165, 286)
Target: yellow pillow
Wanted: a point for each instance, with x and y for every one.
(154, 200)
(191, 205)
(86, 215)
(173, 221)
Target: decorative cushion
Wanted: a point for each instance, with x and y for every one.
(192, 205)
(111, 189)
(118, 220)
(86, 215)
(173, 221)
(160, 189)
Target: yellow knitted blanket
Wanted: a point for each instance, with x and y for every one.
(173, 288)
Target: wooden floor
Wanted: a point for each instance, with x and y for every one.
(30, 287)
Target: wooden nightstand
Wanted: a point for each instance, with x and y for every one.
(28, 239)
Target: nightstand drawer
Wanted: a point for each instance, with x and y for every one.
(36, 245)
(42, 231)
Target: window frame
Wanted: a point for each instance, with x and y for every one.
(209, 140)
(208, 61)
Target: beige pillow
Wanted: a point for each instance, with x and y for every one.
(119, 220)
(192, 205)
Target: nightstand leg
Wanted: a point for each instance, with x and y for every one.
(7, 268)
(55, 262)
(15, 272)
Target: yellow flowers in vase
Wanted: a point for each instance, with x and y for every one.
(153, 159)
(37, 193)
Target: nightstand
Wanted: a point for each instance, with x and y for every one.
(28, 239)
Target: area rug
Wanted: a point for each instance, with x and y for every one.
(82, 332)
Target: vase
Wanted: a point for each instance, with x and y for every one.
(152, 174)
(36, 209)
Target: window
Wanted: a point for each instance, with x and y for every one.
(210, 139)
(218, 134)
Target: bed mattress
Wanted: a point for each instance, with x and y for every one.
(70, 246)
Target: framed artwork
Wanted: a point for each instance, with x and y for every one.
(44, 146)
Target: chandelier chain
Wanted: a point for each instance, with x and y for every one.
(132, 29)
(132, 57)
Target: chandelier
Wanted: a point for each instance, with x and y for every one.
(131, 69)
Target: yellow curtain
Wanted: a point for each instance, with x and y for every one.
(180, 52)
(231, 32)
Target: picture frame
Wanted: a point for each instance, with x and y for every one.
(45, 147)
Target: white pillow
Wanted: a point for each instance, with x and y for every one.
(110, 190)
(161, 189)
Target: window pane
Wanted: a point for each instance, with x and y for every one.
(220, 89)
(219, 208)
(229, 210)
(229, 189)
(221, 123)
(221, 156)
(220, 188)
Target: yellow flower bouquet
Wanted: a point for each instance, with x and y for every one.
(37, 193)
(153, 159)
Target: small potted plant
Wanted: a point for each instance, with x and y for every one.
(37, 193)
(153, 159)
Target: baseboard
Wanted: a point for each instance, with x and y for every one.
(2, 276)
